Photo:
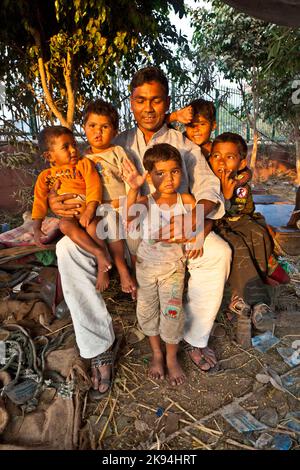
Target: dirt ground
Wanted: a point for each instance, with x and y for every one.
(143, 414)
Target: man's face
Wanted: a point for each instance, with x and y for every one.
(149, 105)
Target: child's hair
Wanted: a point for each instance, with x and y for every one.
(205, 108)
(147, 75)
(161, 153)
(47, 136)
(102, 108)
(235, 139)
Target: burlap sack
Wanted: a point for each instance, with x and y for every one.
(56, 421)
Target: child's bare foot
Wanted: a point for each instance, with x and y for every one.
(104, 265)
(102, 282)
(128, 283)
(176, 374)
(156, 367)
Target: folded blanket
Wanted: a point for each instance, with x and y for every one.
(23, 235)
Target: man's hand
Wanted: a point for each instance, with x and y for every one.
(175, 231)
(132, 176)
(192, 254)
(192, 248)
(56, 203)
(228, 184)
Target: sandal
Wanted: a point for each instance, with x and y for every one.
(107, 358)
(263, 318)
(239, 307)
(189, 348)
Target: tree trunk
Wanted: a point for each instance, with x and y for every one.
(48, 97)
(46, 86)
(70, 90)
(254, 121)
(254, 150)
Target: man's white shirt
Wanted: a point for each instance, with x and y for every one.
(197, 177)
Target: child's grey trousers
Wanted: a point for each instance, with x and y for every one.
(159, 299)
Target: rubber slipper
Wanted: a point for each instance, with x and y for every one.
(106, 358)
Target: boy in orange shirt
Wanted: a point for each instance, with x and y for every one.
(77, 175)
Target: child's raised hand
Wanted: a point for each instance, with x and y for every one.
(132, 176)
(183, 115)
(228, 184)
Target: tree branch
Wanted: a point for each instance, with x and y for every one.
(48, 97)
(70, 90)
(241, 88)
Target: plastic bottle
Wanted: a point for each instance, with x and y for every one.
(62, 310)
(5, 227)
(243, 331)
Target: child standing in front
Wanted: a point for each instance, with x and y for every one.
(76, 175)
(160, 267)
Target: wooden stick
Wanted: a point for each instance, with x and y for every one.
(59, 329)
(129, 352)
(197, 440)
(108, 420)
(200, 427)
(238, 444)
(182, 409)
(104, 408)
(251, 355)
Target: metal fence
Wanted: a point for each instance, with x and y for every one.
(228, 102)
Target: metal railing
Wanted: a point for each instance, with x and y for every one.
(228, 102)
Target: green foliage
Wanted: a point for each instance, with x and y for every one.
(284, 51)
(233, 40)
(88, 41)
(250, 51)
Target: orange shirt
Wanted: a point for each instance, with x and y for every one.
(81, 178)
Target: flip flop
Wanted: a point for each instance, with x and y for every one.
(105, 358)
(211, 371)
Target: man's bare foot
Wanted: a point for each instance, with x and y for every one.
(102, 282)
(101, 376)
(204, 358)
(176, 374)
(128, 283)
(209, 357)
(156, 367)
